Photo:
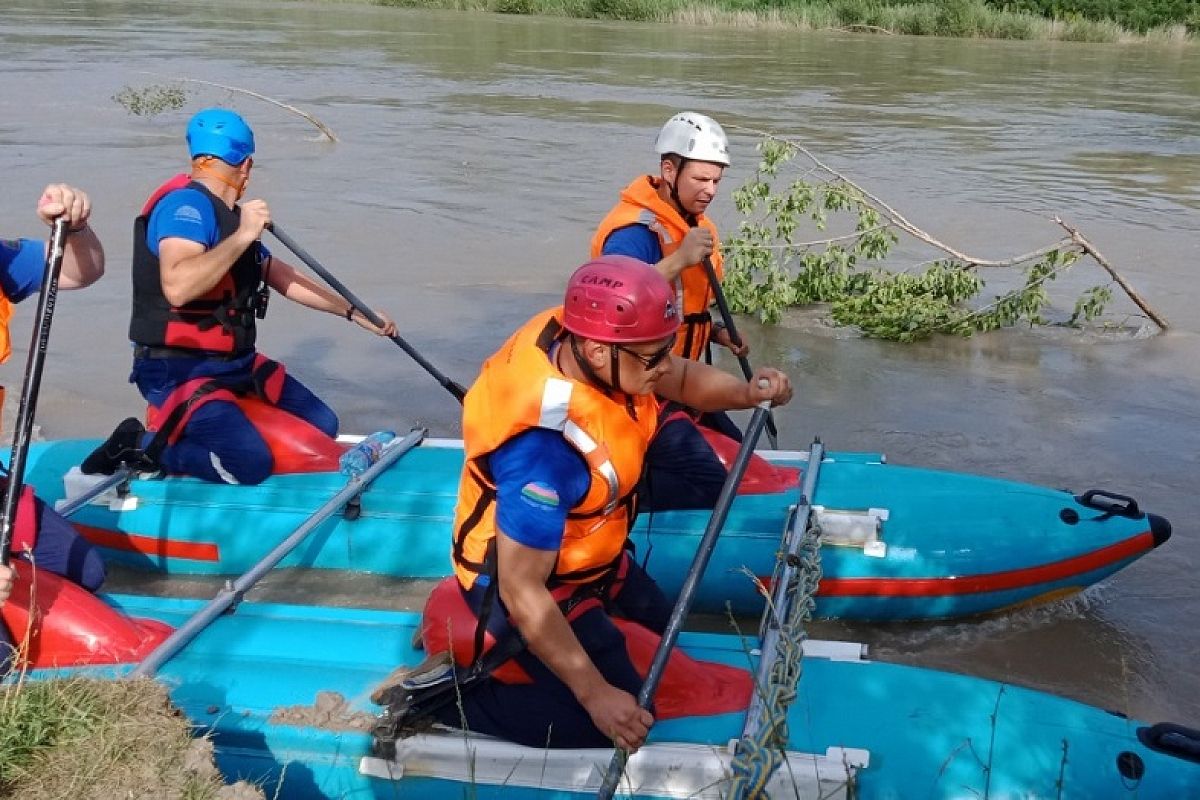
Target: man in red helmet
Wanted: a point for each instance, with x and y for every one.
(555, 432)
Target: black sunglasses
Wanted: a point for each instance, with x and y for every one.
(654, 359)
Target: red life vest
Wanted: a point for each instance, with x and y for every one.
(220, 321)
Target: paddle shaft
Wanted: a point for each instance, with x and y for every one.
(32, 384)
(779, 608)
(232, 593)
(454, 388)
(735, 337)
(691, 583)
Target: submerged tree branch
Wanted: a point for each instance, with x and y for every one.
(815, 242)
(1089, 248)
(321, 126)
(903, 223)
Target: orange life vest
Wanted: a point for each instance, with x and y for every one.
(6, 312)
(518, 389)
(640, 204)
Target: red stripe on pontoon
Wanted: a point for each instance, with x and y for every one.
(149, 545)
(993, 582)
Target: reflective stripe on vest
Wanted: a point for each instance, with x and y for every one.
(556, 399)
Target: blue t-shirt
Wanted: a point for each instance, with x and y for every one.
(22, 266)
(636, 241)
(539, 479)
(185, 214)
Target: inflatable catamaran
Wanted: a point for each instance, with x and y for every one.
(284, 692)
(900, 543)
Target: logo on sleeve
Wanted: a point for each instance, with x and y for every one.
(539, 495)
(188, 214)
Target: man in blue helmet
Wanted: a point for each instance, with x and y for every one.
(200, 281)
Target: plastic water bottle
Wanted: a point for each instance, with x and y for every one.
(357, 459)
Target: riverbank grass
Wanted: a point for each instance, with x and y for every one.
(89, 739)
(954, 18)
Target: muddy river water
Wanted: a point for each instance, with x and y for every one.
(477, 153)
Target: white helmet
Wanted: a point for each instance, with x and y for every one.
(695, 137)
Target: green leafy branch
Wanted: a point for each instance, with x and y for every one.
(770, 267)
(151, 100)
(157, 98)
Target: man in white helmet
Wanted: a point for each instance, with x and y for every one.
(660, 219)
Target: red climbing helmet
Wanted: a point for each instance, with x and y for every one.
(619, 299)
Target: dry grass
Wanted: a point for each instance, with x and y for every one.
(89, 739)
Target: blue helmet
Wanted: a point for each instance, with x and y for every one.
(220, 132)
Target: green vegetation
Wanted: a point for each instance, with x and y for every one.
(769, 269)
(151, 100)
(1138, 15)
(95, 740)
(1070, 20)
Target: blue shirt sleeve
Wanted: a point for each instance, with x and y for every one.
(636, 241)
(186, 214)
(539, 479)
(183, 214)
(22, 266)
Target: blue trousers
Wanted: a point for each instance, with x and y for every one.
(59, 549)
(682, 471)
(545, 713)
(219, 444)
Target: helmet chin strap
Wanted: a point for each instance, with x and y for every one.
(595, 379)
(203, 168)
